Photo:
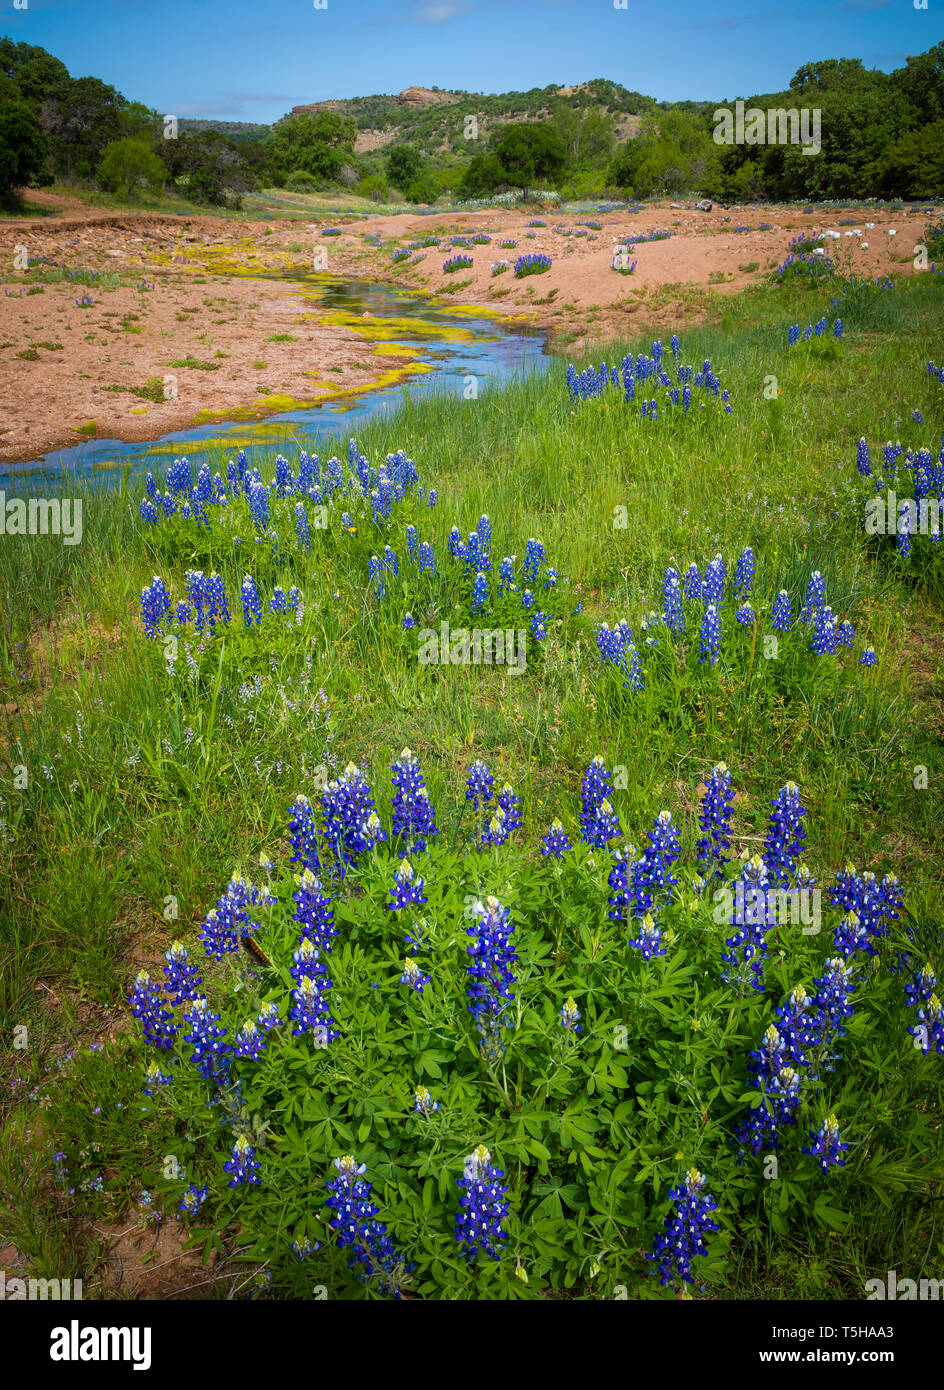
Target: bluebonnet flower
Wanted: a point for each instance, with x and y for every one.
(717, 804)
(672, 614)
(637, 676)
(243, 1163)
(301, 526)
(277, 601)
(313, 911)
(210, 1053)
(375, 573)
(712, 589)
(929, 1029)
(527, 599)
(875, 904)
(780, 1088)
(570, 1016)
(556, 842)
(652, 876)
(683, 1236)
(800, 1022)
(868, 657)
(407, 888)
(482, 1206)
(408, 622)
(747, 948)
(710, 635)
(917, 417)
(826, 1144)
(921, 988)
(148, 1004)
(785, 834)
(373, 1254)
(506, 575)
(252, 604)
(845, 635)
(479, 784)
(423, 1103)
(229, 921)
(538, 627)
(491, 957)
(302, 1247)
(412, 975)
(259, 505)
(269, 1017)
(310, 1011)
(782, 614)
(193, 1199)
(505, 818)
(533, 559)
(648, 938)
(815, 597)
(833, 989)
(837, 329)
(863, 463)
(250, 1041)
(414, 818)
(154, 1078)
(744, 572)
(303, 835)
(306, 961)
(825, 639)
(155, 605)
(595, 788)
(921, 994)
(181, 978)
(850, 937)
(351, 824)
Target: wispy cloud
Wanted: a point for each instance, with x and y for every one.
(749, 17)
(439, 14)
(260, 96)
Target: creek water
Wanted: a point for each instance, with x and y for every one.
(456, 347)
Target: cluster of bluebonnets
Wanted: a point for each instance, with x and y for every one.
(534, 263)
(813, 330)
(528, 586)
(712, 606)
(369, 490)
(206, 605)
(907, 491)
(788, 1069)
(650, 380)
(453, 263)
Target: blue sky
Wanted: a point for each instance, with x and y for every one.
(252, 60)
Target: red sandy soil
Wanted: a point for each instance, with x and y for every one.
(128, 336)
(584, 300)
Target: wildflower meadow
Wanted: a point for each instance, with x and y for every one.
(499, 858)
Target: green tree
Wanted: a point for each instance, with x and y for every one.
(529, 153)
(404, 165)
(129, 164)
(318, 142)
(23, 146)
(913, 166)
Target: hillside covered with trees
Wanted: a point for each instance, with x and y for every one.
(882, 135)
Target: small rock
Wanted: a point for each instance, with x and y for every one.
(704, 206)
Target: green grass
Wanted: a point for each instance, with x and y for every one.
(158, 788)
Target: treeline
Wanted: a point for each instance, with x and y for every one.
(55, 127)
(878, 134)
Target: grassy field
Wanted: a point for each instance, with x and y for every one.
(145, 792)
